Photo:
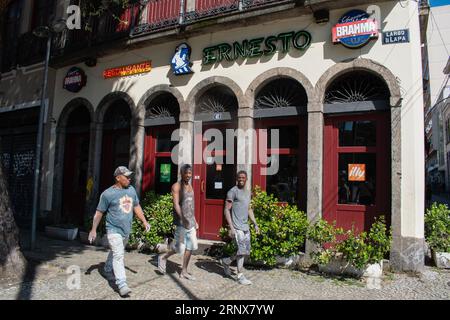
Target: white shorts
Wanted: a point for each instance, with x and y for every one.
(185, 239)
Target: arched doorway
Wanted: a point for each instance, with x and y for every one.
(357, 175)
(161, 119)
(76, 161)
(116, 141)
(215, 164)
(280, 111)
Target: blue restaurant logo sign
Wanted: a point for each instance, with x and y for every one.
(75, 80)
(355, 29)
(181, 60)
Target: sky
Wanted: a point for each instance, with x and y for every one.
(436, 3)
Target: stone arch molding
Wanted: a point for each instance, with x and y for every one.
(209, 83)
(153, 93)
(71, 106)
(276, 73)
(360, 64)
(109, 99)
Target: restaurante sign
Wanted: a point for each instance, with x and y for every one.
(128, 70)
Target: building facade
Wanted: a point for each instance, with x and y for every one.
(341, 84)
(436, 84)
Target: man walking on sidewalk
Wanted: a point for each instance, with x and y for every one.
(118, 202)
(184, 220)
(238, 202)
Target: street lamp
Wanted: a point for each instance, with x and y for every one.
(42, 32)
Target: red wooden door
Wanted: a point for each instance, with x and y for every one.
(356, 174)
(158, 157)
(288, 184)
(75, 177)
(212, 179)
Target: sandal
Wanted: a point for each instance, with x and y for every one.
(187, 276)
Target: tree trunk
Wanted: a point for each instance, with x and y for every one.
(12, 262)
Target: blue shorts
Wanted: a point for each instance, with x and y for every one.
(185, 239)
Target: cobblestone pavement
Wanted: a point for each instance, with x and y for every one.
(48, 280)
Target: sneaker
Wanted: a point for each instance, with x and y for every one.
(226, 268)
(162, 264)
(124, 291)
(243, 280)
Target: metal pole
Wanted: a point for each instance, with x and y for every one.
(182, 11)
(39, 142)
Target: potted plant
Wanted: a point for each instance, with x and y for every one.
(158, 212)
(282, 233)
(437, 234)
(62, 231)
(350, 253)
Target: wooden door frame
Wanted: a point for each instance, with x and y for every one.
(301, 152)
(199, 185)
(331, 207)
(151, 155)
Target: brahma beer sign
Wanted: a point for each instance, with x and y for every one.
(355, 29)
(75, 80)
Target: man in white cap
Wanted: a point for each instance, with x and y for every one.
(118, 202)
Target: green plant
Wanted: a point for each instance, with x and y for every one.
(324, 236)
(94, 9)
(358, 249)
(437, 227)
(158, 212)
(282, 230)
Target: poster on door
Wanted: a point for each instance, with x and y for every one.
(165, 171)
(356, 172)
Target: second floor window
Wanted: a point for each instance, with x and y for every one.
(43, 13)
(12, 22)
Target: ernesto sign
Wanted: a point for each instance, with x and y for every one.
(128, 70)
(258, 47)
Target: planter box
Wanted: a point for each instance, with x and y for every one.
(442, 259)
(61, 233)
(341, 267)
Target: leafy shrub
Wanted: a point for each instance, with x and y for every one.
(282, 230)
(324, 236)
(437, 227)
(358, 249)
(158, 212)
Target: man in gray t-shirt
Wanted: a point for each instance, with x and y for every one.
(119, 202)
(237, 211)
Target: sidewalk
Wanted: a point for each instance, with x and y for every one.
(47, 279)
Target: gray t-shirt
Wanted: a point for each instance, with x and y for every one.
(119, 206)
(239, 211)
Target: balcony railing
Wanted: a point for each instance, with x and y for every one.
(140, 18)
(28, 49)
(153, 16)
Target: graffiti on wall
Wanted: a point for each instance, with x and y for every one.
(23, 163)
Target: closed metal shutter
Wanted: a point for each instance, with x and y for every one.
(17, 155)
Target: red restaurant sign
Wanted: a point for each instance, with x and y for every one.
(129, 70)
